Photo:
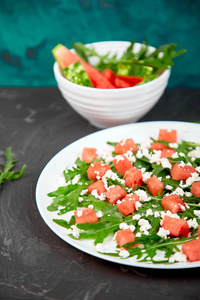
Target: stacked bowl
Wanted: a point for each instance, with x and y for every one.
(110, 107)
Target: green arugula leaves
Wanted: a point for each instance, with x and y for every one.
(160, 59)
(7, 173)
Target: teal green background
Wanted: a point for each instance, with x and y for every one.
(30, 29)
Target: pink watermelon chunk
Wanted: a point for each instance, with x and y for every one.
(65, 57)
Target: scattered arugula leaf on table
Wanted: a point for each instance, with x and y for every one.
(7, 173)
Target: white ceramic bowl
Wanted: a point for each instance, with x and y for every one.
(110, 107)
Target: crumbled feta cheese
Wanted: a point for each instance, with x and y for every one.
(156, 214)
(142, 195)
(138, 234)
(126, 226)
(193, 223)
(137, 205)
(181, 154)
(179, 257)
(195, 153)
(179, 191)
(145, 144)
(163, 233)
(168, 213)
(168, 177)
(136, 217)
(169, 187)
(101, 197)
(175, 155)
(124, 253)
(188, 194)
(173, 145)
(99, 214)
(146, 176)
(83, 192)
(119, 158)
(79, 212)
(74, 231)
(165, 163)
(144, 225)
(198, 169)
(149, 212)
(130, 156)
(160, 256)
(76, 179)
(194, 177)
(80, 199)
(107, 155)
(197, 213)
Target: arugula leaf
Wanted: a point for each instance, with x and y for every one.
(6, 173)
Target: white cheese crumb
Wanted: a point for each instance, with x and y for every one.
(173, 145)
(156, 214)
(179, 257)
(197, 213)
(137, 205)
(79, 212)
(163, 233)
(136, 217)
(124, 253)
(138, 234)
(142, 195)
(179, 191)
(99, 214)
(144, 225)
(74, 231)
(193, 223)
(149, 212)
(169, 187)
(76, 179)
(165, 163)
(194, 177)
(126, 226)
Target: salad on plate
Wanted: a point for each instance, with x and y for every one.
(136, 200)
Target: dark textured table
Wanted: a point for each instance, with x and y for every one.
(34, 262)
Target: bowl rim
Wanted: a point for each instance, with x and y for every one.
(58, 75)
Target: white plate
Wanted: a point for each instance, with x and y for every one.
(51, 174)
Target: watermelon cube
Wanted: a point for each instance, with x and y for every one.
(168, 135)
(124, 236)
(192, 250)
(125, 145)
(167, 153)
(175, 226)
(85, 215)
(179, 172)
(89, 154)
(97, 170)
(195, 189)
(133, 178)
(122, 164)
(155, 185)
(115, 193)
(172, 203)
(158, 146)
(127, 205)
(98, 186)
